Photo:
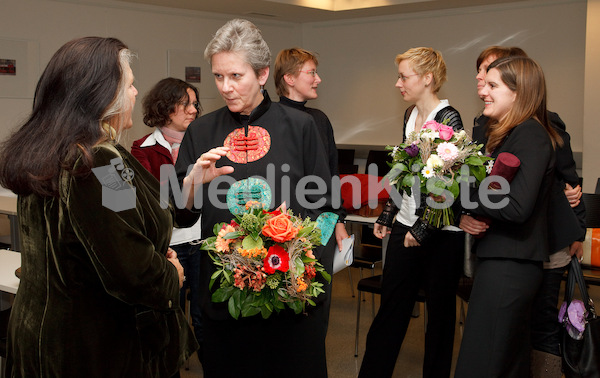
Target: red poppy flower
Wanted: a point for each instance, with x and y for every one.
(277, 259)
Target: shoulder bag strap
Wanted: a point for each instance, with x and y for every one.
(589, 304)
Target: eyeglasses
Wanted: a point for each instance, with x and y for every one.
(195, 104)
(404, 78)
(312, 73)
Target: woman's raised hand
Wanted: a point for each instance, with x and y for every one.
(205, 169)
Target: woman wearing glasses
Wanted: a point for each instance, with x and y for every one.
(436, 262)
(169, 107)
(296, 82)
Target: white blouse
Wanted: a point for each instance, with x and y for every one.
(407, 215)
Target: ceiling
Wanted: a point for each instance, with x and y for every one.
(305, 11)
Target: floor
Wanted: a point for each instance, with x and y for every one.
(341, 362)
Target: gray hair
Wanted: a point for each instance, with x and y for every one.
(240, 36)
(121, 105)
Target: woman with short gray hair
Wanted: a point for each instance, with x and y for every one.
(240, 36)
(246, 139)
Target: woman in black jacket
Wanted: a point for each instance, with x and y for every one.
(497, 331)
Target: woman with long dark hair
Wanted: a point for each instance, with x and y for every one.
(99, 289)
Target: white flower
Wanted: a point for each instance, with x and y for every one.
(429, 135)
(447, 151)
(427, 172)
(434, 161)
(489, 166)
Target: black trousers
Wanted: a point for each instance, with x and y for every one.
(437, 267)
(496, 341)
(546, 330)
(285, 345)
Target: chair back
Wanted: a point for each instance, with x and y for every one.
(592, 209)
(346, 164)
(380, 158)
(345, 156)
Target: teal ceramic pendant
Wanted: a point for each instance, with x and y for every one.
(326, 222)
(250, 189)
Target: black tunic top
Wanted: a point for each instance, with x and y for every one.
(282, 145)
(326, 133)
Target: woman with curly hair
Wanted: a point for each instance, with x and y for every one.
(170, 106)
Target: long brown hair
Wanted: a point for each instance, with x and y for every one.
(81, 88)
(525, 77)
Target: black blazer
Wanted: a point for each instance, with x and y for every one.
(519, 230)
(567, 224)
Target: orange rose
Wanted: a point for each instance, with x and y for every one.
(280, 228)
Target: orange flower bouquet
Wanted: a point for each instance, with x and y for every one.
(265, 262)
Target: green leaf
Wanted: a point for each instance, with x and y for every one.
(217, 227)
(209, 244)
(396, 171)
(250, 310)
(278, 305)
(235, 304)
(265, 312)
(227, 274)
(306, 230)
(479, 172)
(473, 160)
(454, 188)
(232, 309)
(296, 306)
(408, 180)
(250, 243)
(216, 274)
(233, 235)
(312, 303)
(326, 276)
(299, 266)
(222, 294)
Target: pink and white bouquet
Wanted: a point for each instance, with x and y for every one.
(432, 160)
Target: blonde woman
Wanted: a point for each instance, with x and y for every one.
(435, 262)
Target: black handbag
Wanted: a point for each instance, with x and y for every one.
(581, 358)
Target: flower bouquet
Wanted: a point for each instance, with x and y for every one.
(265, 262)
(434, 161)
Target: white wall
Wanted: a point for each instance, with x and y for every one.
(356, 56)
(148, 31)
(358, 70)
(591, 110)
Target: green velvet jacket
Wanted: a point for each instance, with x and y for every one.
(97, 296)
